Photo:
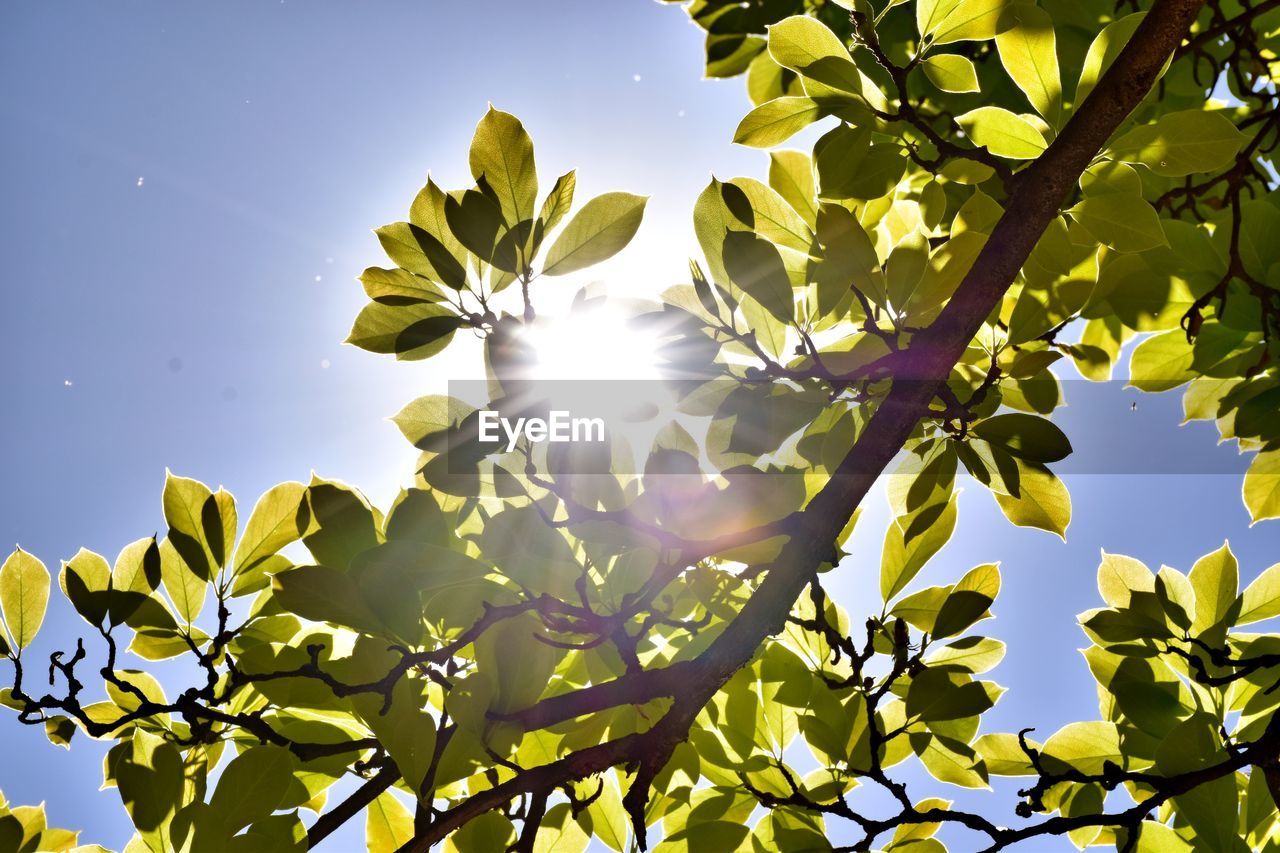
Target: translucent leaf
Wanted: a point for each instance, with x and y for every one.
(410, 332)
(904, 557)
(951, 72)
(202, 525)
(1042, 500)
(24, 595)
(601, 229)
(1216, 579)
(1182, 143)
(1162, 362)
(1262, 486)
(1028, 437)
(1004, 756)
(1086, 746)
(776, 121)
(502, 155)
(755, 265)
(1119, 576)
(253, 785)
(946, 21)
(806, 46)
(1029, 52)
(1003, 133)
(791, 176)
(1123, 221)
(272, 525)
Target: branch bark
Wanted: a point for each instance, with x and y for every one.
(1037, 198)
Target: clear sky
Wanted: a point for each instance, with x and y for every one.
(188, 196)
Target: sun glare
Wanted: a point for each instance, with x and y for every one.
(592, 343)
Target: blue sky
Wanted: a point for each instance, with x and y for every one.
(189, 195)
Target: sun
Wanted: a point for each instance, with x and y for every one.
(600, 341)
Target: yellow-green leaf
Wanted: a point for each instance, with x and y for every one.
(388, 824)
(951, 72)
(1003, 133)
(1261, 598)
(1262, 486)
(776, 121)
(1182, 143)
(24, 595)
(502, 154)
(1029, 52)
(603, 227)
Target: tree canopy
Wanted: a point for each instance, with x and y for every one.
(531, 648)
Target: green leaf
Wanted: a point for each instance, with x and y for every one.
(968, 654)
(1123, 221)
(388, 824)
(202, 525)
(419, 254)
(1119, 576)
(340, 522)
(557, 203)
(1004, 756)
(1183, 143)
(502, 155)
(851, 166)
(24, 595)
(770, 216)
(791, 176)
(935, 697)
(904, 267)
(137, 573)
(272, 525)
(1211, 808)
(405, 730)
(1261, 598)
(776, 121)
(1105, 48)
(1029, 52)
(949, 760)
(322, 594)
(85, 581)
(1003, 133)
(1085, 746)
(951, 72)
(410, 332)
(1028, 437)
(253, 785)
(398, 286)
(427, 213)
(149, 775)
(1162, 362)
(475, 219)
(489, 832)
(603, 227)
(608, 817)
(755, 265)
(186, 589)
(1042, 500)
(848, 257)
(1216, 580)
(517, 679)
(59, 730)
(904, 556)
(968, 601)
(807, 47)
(1262, 486)
(947, 21)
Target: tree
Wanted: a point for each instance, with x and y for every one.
(511, 657)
